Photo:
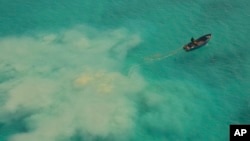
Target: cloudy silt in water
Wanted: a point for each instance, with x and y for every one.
(77, 71)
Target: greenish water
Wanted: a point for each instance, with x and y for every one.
(78, 70)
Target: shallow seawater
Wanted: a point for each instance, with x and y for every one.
(114, 70)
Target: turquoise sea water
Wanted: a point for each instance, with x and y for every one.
(78, 70)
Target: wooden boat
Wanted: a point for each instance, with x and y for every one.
(203, 40)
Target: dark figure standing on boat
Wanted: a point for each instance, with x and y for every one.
(193, 41)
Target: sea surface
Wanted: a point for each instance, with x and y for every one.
(115, 70)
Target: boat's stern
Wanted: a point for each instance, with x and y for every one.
(186, 48)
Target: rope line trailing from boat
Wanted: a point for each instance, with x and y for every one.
(157, 57)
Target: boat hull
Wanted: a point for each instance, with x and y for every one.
(203, 40)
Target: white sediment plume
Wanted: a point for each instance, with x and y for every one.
(70, 83)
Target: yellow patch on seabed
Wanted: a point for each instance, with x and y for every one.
(83, 80)
(101, 81)
(105, 88)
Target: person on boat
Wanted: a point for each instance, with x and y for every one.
(193, 41)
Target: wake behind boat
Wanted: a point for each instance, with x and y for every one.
(194, 44)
